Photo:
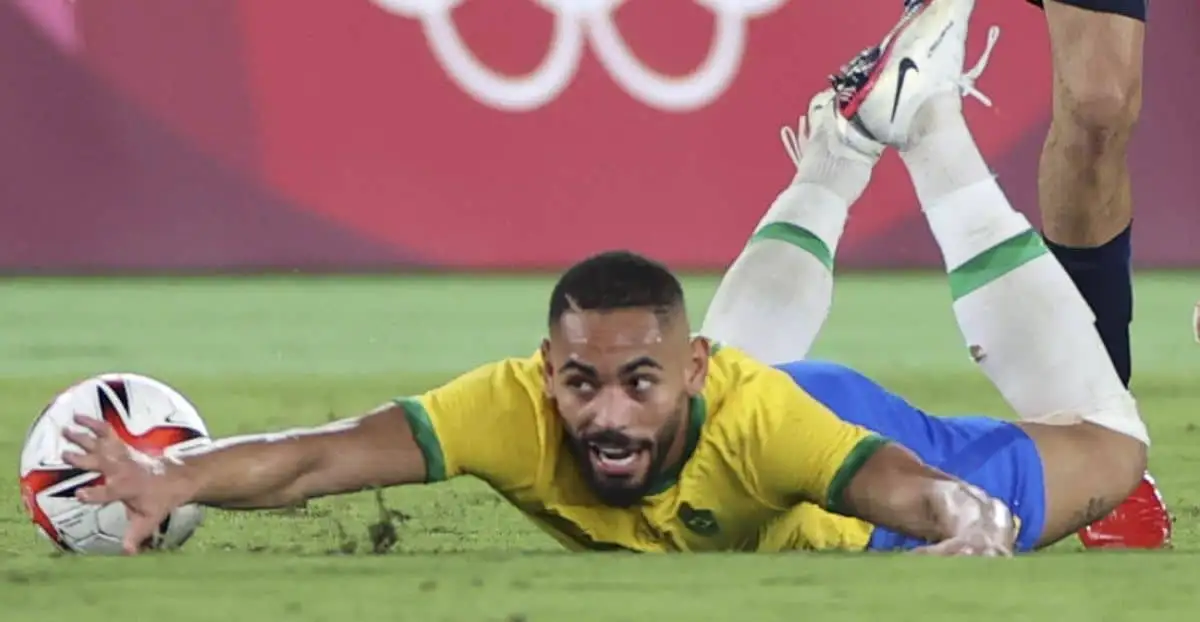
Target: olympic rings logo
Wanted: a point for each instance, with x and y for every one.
(578, 22)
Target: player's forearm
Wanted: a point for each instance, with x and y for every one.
(933, 508)
(287, 468)
(898, 491)
(248, 472)
(260, 471)
(917, 508)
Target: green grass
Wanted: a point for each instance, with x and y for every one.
(256, 354)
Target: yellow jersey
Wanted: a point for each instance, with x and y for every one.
(764, 468)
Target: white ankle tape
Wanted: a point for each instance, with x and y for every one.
(1120, 414)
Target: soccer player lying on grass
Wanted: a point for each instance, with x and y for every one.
(626, 432)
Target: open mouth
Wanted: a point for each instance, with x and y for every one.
(616, 461)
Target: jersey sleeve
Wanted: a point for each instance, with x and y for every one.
(483, 423)
(802, 451)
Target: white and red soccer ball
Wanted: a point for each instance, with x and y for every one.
(149, 416)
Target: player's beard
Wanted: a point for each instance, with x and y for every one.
(618, 493)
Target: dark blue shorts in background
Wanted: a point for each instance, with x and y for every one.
(1129, 8)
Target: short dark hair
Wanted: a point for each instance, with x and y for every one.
(616, 280)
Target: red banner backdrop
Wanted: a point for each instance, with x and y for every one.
(177, 135)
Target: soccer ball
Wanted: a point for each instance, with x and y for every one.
(149, 416)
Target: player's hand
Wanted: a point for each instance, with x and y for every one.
(966, 546)
(980, 525)
(128, 476)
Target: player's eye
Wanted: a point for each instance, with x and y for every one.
(581, 385)
(642, 383)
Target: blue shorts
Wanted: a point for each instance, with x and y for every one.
(992, 454)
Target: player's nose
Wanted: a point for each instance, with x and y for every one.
(612, 410)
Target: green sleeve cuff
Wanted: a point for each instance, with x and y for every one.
(835, 496)
(426, 438)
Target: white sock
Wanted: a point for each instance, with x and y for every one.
(773, 300)
(942, 156)
(1023, 319)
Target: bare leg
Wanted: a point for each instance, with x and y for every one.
(1087, 205)
(1083, 179)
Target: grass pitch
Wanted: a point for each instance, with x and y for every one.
(262, 353)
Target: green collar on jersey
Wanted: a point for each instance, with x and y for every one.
(697, 413)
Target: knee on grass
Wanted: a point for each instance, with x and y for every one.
(1120, 462)
(1089, 470)
(1120, 445)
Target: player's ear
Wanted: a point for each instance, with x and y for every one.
(697, 371)
(547, 369)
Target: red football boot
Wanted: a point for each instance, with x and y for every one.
(1140, 522)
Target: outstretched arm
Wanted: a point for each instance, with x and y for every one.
(253, 472)
(276, 470)
(285, 469)
(480, 424)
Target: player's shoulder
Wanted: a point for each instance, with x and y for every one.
(493, 422)
(734, 375)
(508, 389)
(745, 394)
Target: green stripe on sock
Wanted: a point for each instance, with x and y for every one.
(996, 262)
(796, 236)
